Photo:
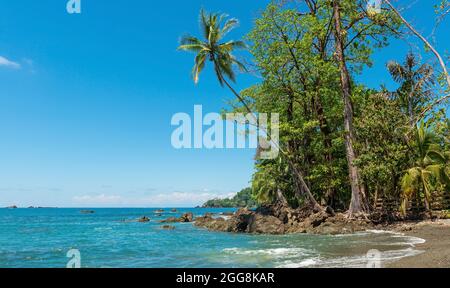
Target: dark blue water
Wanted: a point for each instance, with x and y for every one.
(110, 238)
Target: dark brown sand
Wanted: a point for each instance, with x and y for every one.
(436, 248)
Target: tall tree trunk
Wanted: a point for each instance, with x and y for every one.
(356, 203)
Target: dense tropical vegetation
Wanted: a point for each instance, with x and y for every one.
(343, 144)
(243, 198)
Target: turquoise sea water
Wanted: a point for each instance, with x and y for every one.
(108, 238)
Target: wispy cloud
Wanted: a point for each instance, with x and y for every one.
(101, 199)
(175, 199)
(4, 62)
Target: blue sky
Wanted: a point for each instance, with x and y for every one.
(86, 102)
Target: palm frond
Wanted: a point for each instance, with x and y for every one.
(232, 45)
(200, 61)
(229, 25)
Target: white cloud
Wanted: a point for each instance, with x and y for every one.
(8, 63)
(101, 199)
(172, 199)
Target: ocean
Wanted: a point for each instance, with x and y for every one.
(40, 238)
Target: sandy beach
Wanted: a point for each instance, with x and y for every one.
(436, 248)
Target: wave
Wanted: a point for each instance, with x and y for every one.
(295, 257)
(276, 252)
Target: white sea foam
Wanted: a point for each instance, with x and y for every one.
(276, 252)
(295, 257)
(358, 261)
(304, 263)
(361, 261)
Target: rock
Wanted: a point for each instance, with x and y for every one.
(244, 221)
(202, 220)
(87, 211)
(31, 207)
(12, 207)
(318, 218)
(187, 217)
(159, 211)
(171, 220)
(144, 219)
(168, 227)
(280, 219)
(173, 210)
(265, 224)
(214, 224)
(227, 213)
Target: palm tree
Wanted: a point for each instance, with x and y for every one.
(212, 49)
(415, 82)
(214, 27)
(430, 169)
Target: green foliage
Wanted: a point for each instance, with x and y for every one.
(214, 27)
(241, 199)
(293, 51)
(383, 152)
(430, 171)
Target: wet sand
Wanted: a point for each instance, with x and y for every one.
(436, 248)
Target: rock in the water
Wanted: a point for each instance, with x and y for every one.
(144, 219)
(214, 224)
(170, 220)
(280, 219)
(264, 224)
(227, 213)
(87, 211)
(12, 207)
(187, 217)
(159, 211)
(173, 210)
(168, 227)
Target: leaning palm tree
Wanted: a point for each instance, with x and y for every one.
(430, 169)
(213, 49)
(415, 81)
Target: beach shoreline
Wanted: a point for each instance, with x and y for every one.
(436, 248)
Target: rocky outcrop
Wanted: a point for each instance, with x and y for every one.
(279, 219)
(87, 211)
(12, 207)
(243, 221)
(168, 227)
(187, 217)
(144, 219)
